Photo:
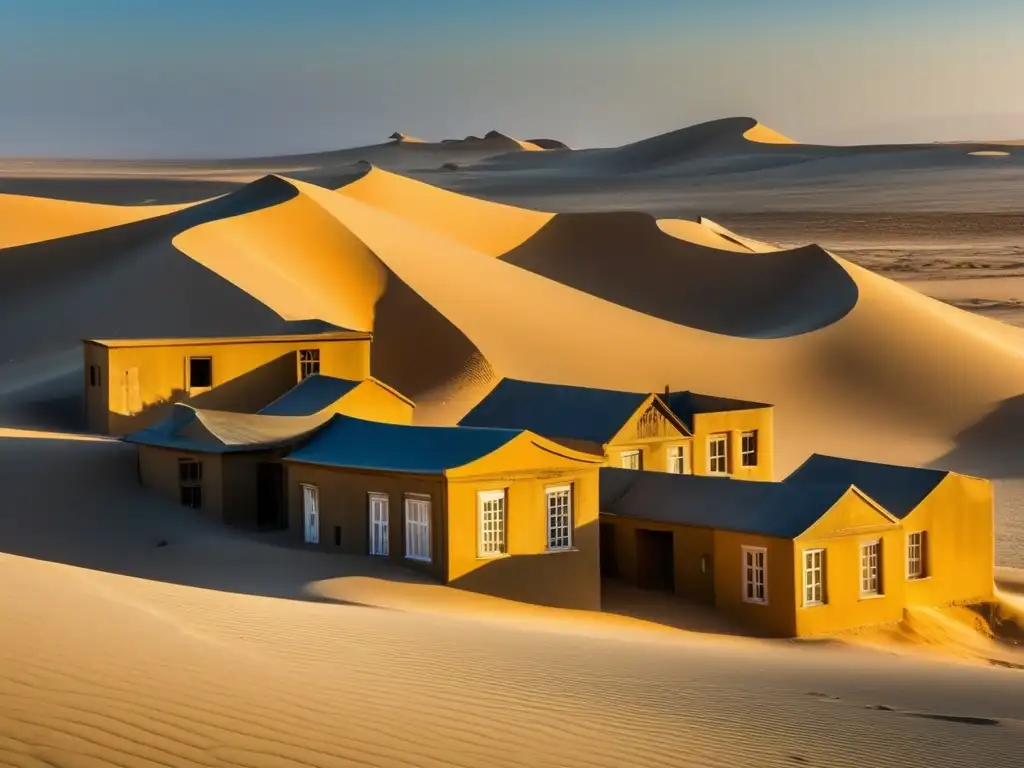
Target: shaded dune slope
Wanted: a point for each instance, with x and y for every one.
(627, 259)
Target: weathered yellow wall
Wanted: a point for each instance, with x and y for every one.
(96, 397)
(777, 618)
(840, 532)
(958, 520)
(373, 401)
(246, 375)
(344, 502)
(158, 468)
(528, 572)
(735, 423)
(689, 545)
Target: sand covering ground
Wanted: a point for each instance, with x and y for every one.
(220, 648)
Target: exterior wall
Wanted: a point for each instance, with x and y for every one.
(840, 532)
(957, 518)
(528, 572)
(344, 502)
(239, 479)
(246, 375)
(735, 423)
(373, 401)
(777, 617)
(158, 469)
(689, 546)
(96, 397)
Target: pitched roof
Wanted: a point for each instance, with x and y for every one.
(686, 404)
(898, 489)
(556, 410)
(193, 429)
(292, 330)
(779, 510)
(359, 444)
(309, 396)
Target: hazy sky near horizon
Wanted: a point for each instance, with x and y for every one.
(218, 78)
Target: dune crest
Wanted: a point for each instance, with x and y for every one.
(405, 138)
(762, 134)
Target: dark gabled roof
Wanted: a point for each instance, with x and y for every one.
(309, 396)
(359, 444)
(898, 489)
(778, 510)
(556, 410)
(686, 404)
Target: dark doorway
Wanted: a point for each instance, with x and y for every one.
(655, 561)
(609, 556)
(270, 496)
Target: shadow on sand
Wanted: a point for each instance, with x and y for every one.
(78, 502)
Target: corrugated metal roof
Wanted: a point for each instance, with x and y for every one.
(192, 429)
(309, 396)
(685, 405)
(899, 489)
(778, 510)
(555, 410)
(359, 444)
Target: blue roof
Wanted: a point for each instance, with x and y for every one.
(686, 404)
(556, 410)
(360, 444)
(309, 396)
(779, 510)
(898, 489)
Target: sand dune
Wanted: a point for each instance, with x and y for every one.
(762, 134)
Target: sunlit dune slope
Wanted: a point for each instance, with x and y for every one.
(490, 228)
(695, 232)
(25, 220)
(762, 134)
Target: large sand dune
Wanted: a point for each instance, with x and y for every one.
(136, 633)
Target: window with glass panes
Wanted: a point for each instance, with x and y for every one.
(748, 448)
(417, 529)
(755, 570)
(871, 568)
(677, 459)
(718, 454)
(491, 525)
(814, 577)
(309, 362)
(915, 555)
(559, 508)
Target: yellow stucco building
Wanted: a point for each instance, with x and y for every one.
(677, 432)
(503, 512)
(229, 464)
(130, 383)
(815, 554)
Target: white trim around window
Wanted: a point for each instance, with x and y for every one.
(718, 454)
(871, 568)
(558, 504)
(379, 523)
(754, 577)
(814, 578)
(417, 528)
(678, 463)
(631, 459)
(916, 555)
(491, 523)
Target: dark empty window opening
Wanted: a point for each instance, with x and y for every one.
(309, 362)
(93, 376)
(749, 452)
(337, 535)
(190, 479)
(200, 372)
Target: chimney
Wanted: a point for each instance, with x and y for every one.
(667, 390)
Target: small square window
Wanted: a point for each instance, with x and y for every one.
(718, 455)
(189, 471)
(631, 460)
(200, 372)
(309, 362)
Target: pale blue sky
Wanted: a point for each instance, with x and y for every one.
(209, 78)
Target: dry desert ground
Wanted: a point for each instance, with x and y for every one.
(870, 293)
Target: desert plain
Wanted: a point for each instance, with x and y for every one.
(875, 295)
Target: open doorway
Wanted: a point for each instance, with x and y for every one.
(609, 555)
(270, 496)
(655, 560)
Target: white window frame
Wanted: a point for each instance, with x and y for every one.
(720, 437)
(810, 570)
(638, 454)
(549, 492)
(747, 552)
(678, 456)
(487, 547)
(865, 567)
(310, 491)
(375, 548)
(752, 433)
(418, 531)
(921, 560)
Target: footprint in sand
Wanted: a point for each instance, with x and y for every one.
(965, 719)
